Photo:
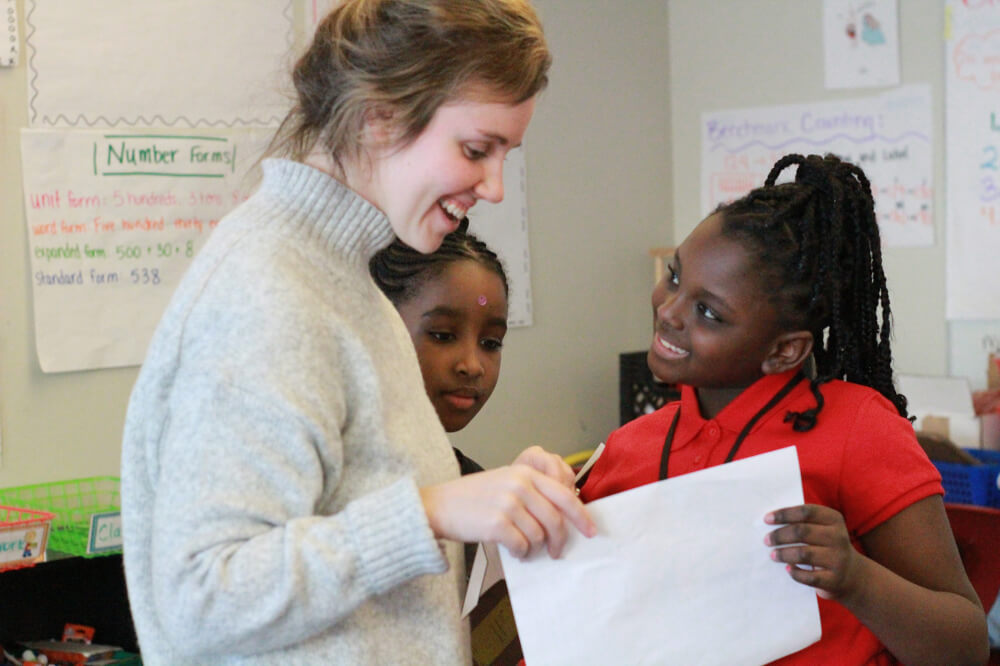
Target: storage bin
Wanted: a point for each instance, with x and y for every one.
(24, 534)
(87, 513)
(972, 484)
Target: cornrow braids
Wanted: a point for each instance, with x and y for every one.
(400, 271)
(816, 245)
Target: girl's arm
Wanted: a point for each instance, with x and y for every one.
(911, 589)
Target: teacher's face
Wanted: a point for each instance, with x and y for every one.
(426, 187)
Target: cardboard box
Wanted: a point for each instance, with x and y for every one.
(943, 405)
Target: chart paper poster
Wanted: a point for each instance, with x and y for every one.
(113, 221)
(972, 165)
(861, 43)
(183, 63)
(887, 135)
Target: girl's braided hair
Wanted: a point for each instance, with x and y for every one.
(400, 271)
(816, 244)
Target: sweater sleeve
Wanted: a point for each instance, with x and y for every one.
(241, 563)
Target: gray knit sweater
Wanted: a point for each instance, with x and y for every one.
(274, 443)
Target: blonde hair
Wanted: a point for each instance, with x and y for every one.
(404, 59)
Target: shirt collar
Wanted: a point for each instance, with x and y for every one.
(736, 414)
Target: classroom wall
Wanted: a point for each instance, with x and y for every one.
(598, 196)
(750, 53)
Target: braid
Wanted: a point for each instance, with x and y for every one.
(816, 242)
(400, 271)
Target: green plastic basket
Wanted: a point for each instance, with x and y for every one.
(73, 503)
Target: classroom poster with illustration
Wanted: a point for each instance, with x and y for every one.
(860, 43)
(972, 167)
(888, 135)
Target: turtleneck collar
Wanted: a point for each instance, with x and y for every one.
(315, 203)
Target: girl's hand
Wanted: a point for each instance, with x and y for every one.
(547, 463)
(516, 506)
(823, 544)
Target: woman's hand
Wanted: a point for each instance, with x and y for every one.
(517, 506)
(823, 556)
(547, 463)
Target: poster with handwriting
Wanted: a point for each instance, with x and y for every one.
(888, 136)
(972, 167)
(113, 220)
(183, 63)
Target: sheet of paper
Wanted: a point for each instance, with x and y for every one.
(861, 43)
(972, 167)
(678, 574)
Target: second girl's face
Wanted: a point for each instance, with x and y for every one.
(428, 186)
(458, 320)
(713, 324)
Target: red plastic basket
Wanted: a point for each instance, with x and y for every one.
(24, 534)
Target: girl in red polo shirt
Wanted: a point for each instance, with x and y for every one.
(774, 319)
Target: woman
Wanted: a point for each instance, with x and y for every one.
(289, 495)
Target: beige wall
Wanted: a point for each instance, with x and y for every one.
(598, 194)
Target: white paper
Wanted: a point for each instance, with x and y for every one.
(889, 136)
(861, 43)
(944, 398)
(972, 167)
(10, 43)
(114, 218)
(183, 63)
(678, 574)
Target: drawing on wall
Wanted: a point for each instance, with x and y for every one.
(888, 136)
(972, 170)
(184, 63)
(861, 43)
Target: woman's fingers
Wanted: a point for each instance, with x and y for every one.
(517, 506)
(547, 463)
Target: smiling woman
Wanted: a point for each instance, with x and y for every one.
(288, 492)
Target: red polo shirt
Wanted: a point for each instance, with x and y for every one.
(861, 458)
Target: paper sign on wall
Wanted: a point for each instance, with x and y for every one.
(183, 63)
(861, 43)
(972, 131)
(113, 220)
(888, 136)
